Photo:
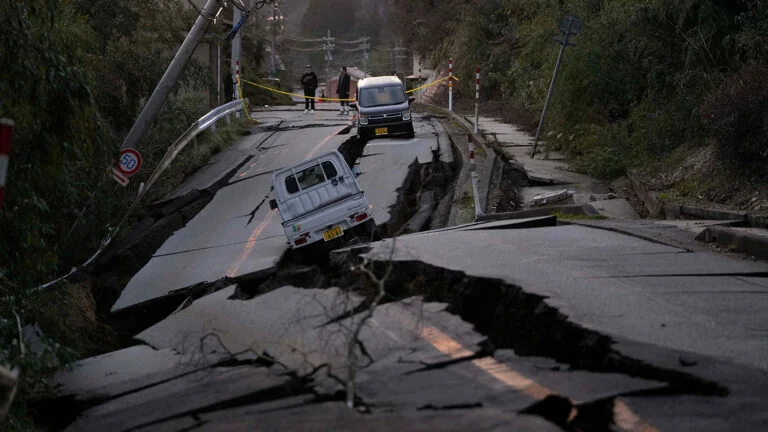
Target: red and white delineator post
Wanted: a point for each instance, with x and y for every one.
(477, 98)
(420, 81)
(473, 173)
(6, 132)
(450, 84)
(237, 85)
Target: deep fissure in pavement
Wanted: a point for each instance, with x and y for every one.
(506, 315)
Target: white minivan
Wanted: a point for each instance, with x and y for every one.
(319, 200)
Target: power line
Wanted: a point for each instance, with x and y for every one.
(300, 39)
(305, 49)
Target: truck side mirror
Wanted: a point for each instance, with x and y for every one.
(356, 171)
(411, 99)
(353, 105)
(273, 204)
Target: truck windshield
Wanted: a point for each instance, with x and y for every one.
(381, 96)
(309, 177)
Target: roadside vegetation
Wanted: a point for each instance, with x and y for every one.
(673, 89)
(76, 74)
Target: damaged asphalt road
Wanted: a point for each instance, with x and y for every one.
(217, 243)
(506, 325)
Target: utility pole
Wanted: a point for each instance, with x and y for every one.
(568, 26)
(211, 10)
(396, 56)
(236, 47)
(273, 49)
(328, 47)
(365, 47)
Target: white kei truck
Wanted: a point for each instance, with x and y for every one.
(319, 200)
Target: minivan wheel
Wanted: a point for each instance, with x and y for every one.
(363, 134)
(410, 132)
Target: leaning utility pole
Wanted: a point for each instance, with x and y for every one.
(568, 26)
(236, 46)
(209, 13)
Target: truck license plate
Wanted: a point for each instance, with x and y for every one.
(333, 233)
(381, 131)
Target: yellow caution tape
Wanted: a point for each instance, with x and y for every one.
(296, 94)
(433, 83)
(452, 78)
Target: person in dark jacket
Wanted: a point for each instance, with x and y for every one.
(342, 89)
(309, 82)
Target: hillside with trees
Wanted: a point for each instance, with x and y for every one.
(675, 90)
(75, 76)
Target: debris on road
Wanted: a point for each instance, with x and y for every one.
(551, 197)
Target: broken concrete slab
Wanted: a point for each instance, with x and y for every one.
(385, 165)
(169, 274)
(125, 370)
(615, 209)
(550, 197)
(583, 209)
(602, 281)
(537, 222)
(186, 396)
(752, 241)
(697, 226)
(334, 416)
(287, 323)
(235, 234)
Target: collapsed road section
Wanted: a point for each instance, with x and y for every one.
(509, 324)
(235, 236)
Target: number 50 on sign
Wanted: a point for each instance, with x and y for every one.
(129, 161)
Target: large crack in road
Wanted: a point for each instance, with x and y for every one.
(513, 322)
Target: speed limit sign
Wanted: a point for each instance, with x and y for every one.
(129, 161)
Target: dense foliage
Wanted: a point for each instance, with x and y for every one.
(75, 75)
(645, 78)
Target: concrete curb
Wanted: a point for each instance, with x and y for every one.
(752, 241)
(490, 161)
(654, 207)
(675, 211)
(584, 209)
(659, 209)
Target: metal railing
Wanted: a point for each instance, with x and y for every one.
(203, 123)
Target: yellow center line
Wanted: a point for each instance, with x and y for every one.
(250, 244)
(626, 419)
(256, 233)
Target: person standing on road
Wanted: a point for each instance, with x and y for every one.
(342, 88)
(309, 82)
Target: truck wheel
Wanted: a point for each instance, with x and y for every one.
(371, 231)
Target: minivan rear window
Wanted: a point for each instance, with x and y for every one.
(309, 177)
(381, 96)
